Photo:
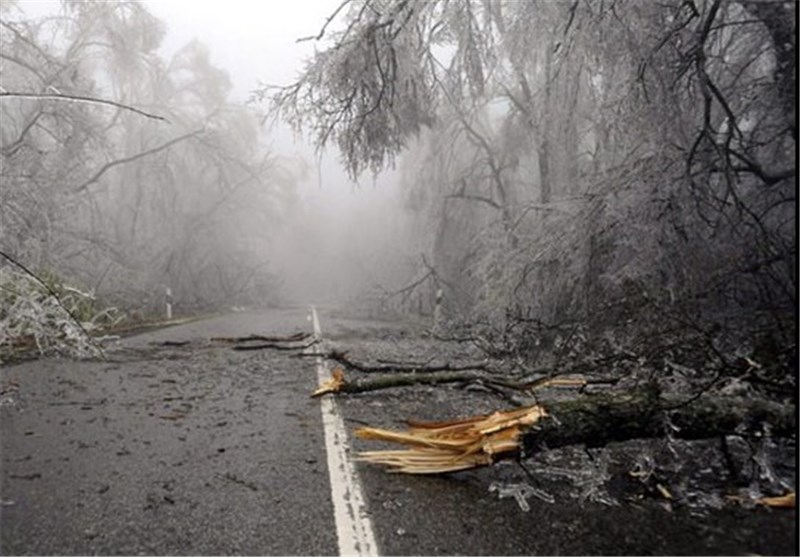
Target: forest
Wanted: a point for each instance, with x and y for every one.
(582, 177)
(575, 177)
(599, 195)
(564, 166)
(124, 174)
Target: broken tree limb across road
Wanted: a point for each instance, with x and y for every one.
(585, 402)
(206, 449)
(591, 419)
(617, 434)
(597, 419)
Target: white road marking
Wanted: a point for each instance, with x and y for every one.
(353, 525)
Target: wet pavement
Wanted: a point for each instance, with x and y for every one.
(199, 449)
(196, 449)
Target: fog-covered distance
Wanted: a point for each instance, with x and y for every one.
(499, 162)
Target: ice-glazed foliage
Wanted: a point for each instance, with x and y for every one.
(576, 160)
(125, 203)
(370, 93)
(47, 315)
(381, 81)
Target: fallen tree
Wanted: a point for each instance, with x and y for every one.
(444, 375)
(592, 420)
(598, 419)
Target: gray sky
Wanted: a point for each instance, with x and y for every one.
(252, 39)
(256, 41)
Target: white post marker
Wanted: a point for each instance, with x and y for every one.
(168, 298)
(353, 526)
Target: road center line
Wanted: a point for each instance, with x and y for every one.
(353, 525)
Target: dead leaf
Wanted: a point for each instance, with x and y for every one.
(332, 385)
(449, 446)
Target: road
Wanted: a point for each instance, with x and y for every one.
(180, 445)
(195, 449)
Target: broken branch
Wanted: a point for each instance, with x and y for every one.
(297, 337)
(342, 358)
(441, 447)
(275, 346)
(389, 380)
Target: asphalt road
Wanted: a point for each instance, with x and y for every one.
(193, 449)
(199, 449)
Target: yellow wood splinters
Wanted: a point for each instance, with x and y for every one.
(332, 385)
(784, 501)
(449, 446)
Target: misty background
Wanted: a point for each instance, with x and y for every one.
(297, 229)
(515, 166)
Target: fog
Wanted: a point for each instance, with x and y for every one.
(330, 240)
(585, 208)
(333, 247)
(513, 163)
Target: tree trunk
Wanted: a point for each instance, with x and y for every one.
(596, 420)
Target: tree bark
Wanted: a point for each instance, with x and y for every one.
(596, 420)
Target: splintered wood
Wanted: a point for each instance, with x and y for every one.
(784, 501)
(440, 447)
(332, 385)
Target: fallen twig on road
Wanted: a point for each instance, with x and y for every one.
(236, 479)
(342, 358)
(269, 342)
(297, 337)
(787, 501)
(275, 346)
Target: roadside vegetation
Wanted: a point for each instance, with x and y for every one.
(125, 174)
(603, 191)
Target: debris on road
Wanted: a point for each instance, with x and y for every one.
(288, 342)
(231, 477)
(520, 492)
(297, 337)
(449, 446)
(332, 385)
(784, 501)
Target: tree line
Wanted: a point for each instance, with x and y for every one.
(125, 173)
(602, 163)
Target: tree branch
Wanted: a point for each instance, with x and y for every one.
(342, 358)
(78, 98)
(112, 164)
(321, 33)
